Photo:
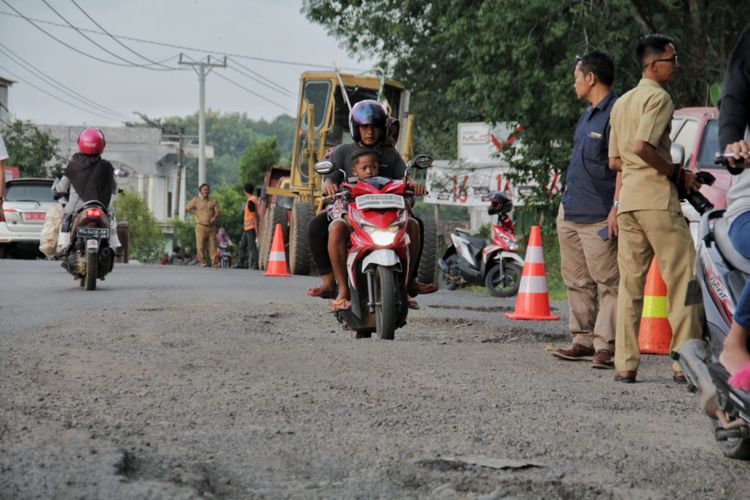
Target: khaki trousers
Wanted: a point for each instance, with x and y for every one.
(643, 234)
(203, 233)
(589, 269)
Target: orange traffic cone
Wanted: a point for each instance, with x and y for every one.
(277, 258)
(532, 301)
(655, 334)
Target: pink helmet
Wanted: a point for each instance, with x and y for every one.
(91, 141)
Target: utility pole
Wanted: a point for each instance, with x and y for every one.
(202, 68)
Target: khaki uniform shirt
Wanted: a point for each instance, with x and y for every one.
(644, 113)
(203, 209)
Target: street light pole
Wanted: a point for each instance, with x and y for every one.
(202, 69)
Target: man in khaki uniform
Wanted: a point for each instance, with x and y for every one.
(205, 210)
(649, 218)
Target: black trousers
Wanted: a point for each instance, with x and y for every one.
(247, 243)
(317, 231)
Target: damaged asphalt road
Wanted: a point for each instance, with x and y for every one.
(173, 382)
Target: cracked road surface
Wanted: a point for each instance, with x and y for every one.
(174, 382)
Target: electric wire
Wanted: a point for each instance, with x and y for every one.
(64, 43)
(193, 49)
(285, 108)
(116, 39)
(283, 92)
(261, 77)
(105, 49)
(54, 96)
(4, 49)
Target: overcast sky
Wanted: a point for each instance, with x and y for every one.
(268, 29)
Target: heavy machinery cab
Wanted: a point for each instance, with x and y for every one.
(323, 99)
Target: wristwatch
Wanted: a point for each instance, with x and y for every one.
(616, 205)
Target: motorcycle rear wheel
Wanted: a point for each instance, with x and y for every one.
(385, 303)
(446, 282)
(92, 260)
(508, 285)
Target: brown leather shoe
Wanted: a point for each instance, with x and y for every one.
(418, 288)
(626, 377)
(603, 359)
(574, 352)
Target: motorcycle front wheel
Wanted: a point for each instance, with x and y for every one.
(737, 448)
(507, 284)
(385, 303)
(92, 261)
(448, 282)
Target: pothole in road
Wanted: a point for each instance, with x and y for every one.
(522, 334)
(444, 478)
(200, 477)
(474, 308)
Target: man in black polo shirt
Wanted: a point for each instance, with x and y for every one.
(587, 221)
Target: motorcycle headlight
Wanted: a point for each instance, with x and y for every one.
(513, 246)
(382, 237)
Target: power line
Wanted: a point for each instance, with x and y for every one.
(115, 38)
(54, 96)
(183, 47)
(285, 108)
(64, 43)
(105, 49)
(281, 90)
(260, 79)
(54, 83)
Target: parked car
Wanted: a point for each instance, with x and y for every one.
(25, 205)
(695, 142)
(696, 130)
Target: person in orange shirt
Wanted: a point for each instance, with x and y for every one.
(248, 235)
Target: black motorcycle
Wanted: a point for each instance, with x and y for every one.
(89, 256)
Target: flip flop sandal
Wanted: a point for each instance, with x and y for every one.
(340, 305)
(321, 292)
(412, 304)
(741, 379)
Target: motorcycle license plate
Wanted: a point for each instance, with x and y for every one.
(377, 201)
(93, 232)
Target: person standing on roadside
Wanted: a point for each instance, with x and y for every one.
(248, 240)
(587, 221)
(206, 211)
(650, 221)
(3, 157)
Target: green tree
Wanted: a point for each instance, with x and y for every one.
(512, 60)
(232, 205)
(231, 135)
(146, 238)
(31, 149)
(257, 159)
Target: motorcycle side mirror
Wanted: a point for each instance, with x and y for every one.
(677, 152)
(422, 161)
(324, 167)
(122, 172)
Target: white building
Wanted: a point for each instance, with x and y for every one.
(137, 149)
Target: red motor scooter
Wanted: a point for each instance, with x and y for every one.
(378, 266)
(494, 263)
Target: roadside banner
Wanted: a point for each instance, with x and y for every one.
(466, 184)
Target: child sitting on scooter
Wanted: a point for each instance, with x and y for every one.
(365, 166)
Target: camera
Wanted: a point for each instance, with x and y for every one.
(700, 203)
